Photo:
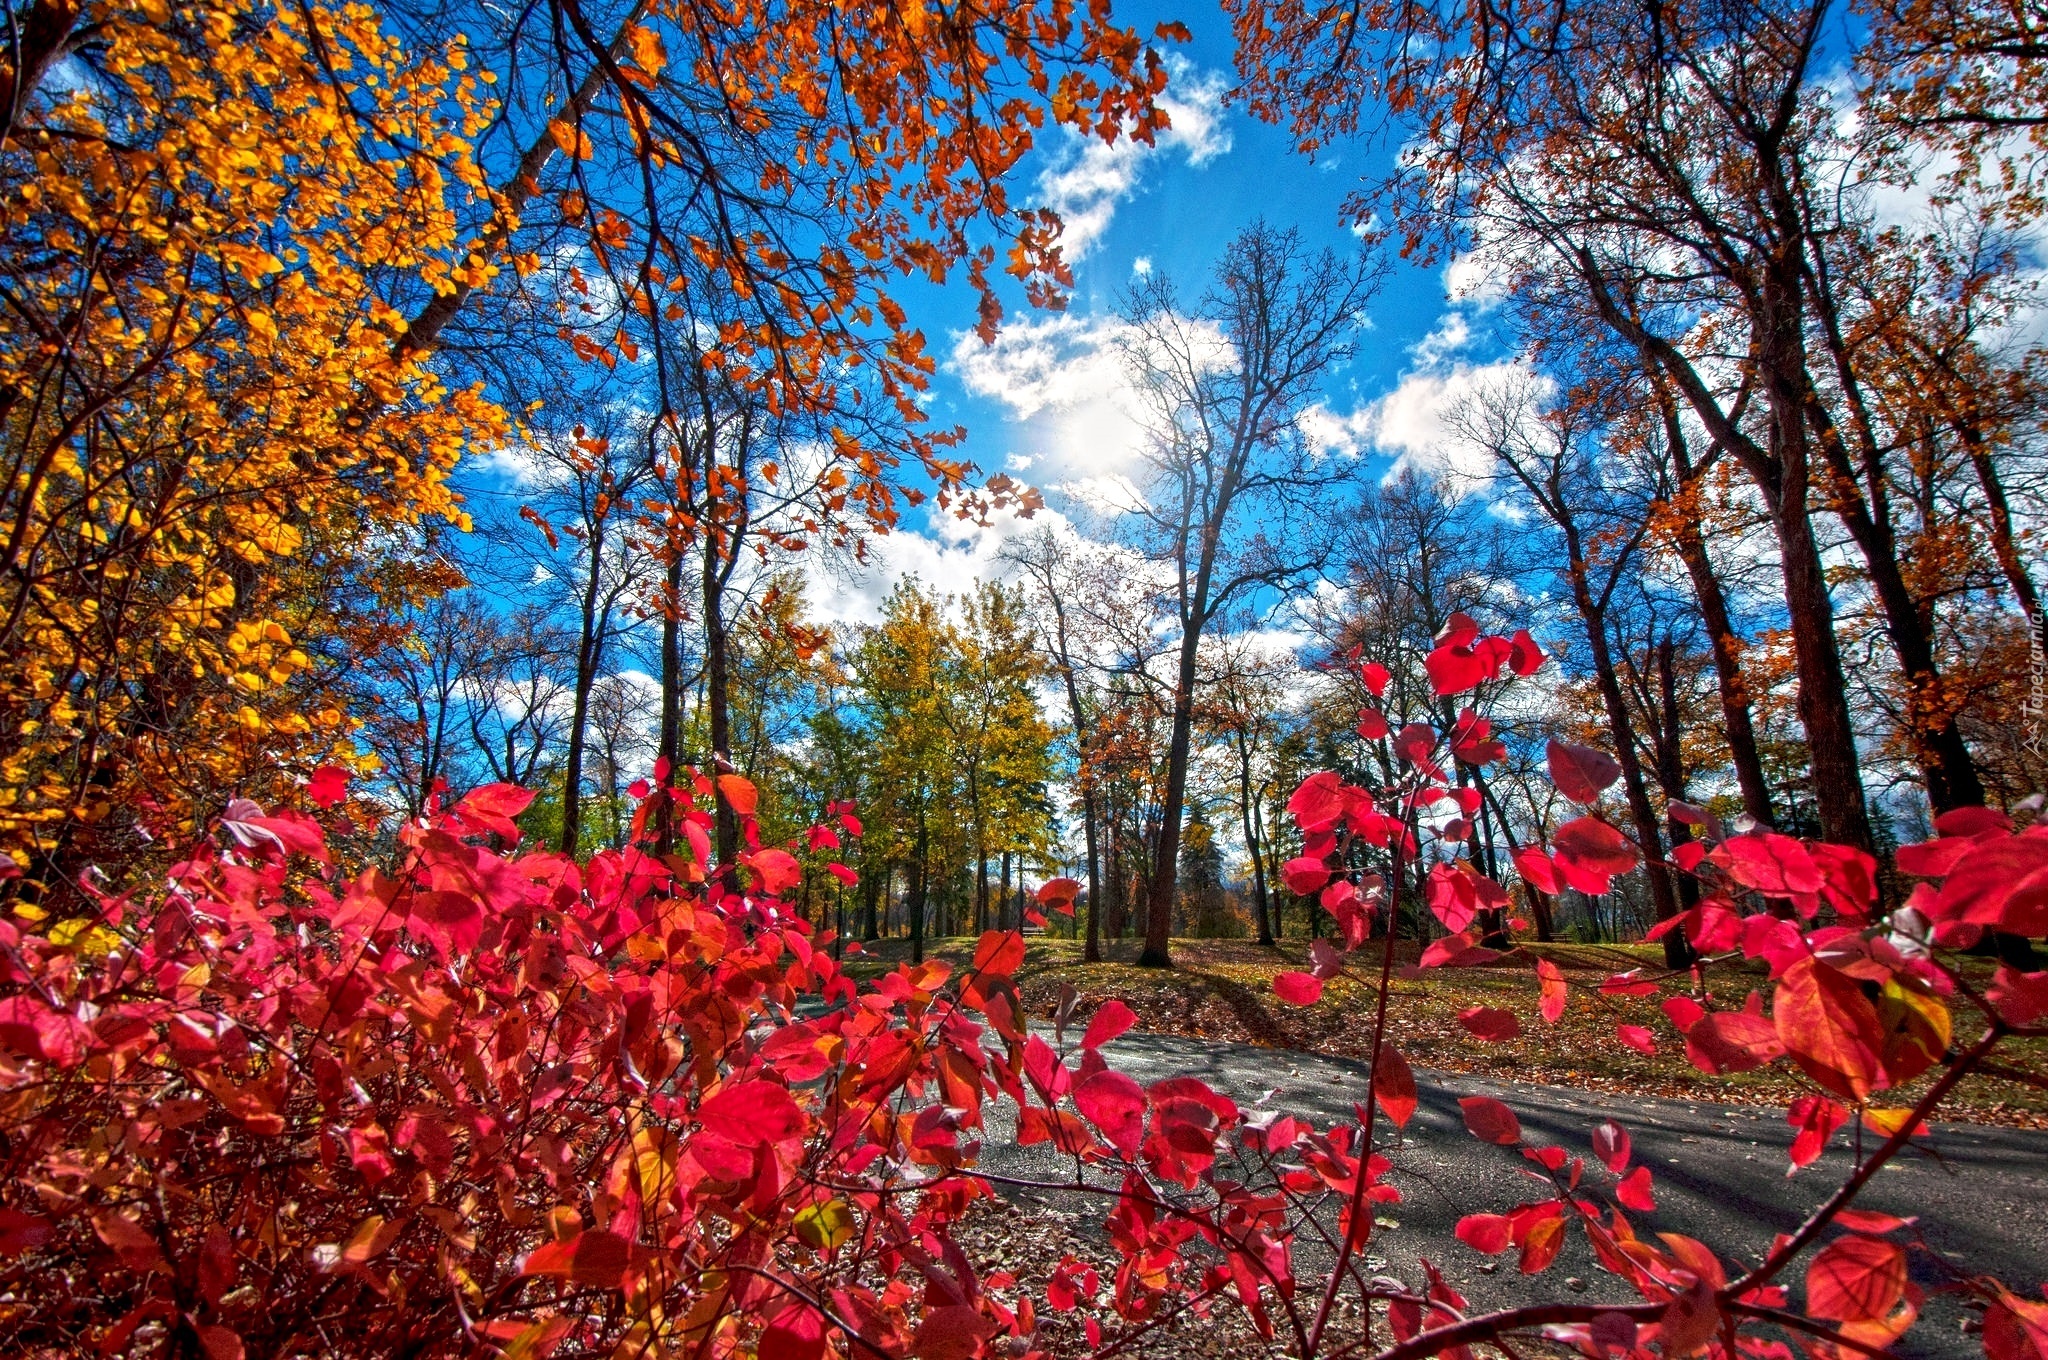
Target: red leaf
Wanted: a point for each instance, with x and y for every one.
(492, 808)
(1318, 802)
(1775, 865)
(454, 921)
(1298, 989)
(1816, 1118)
(1971, 821)
(2016, 1329)
(287, 829)
(1611, 1145)
(739, 793)
(1459, 630)
(1452, 896)
(1552, 989)
(1634, 1191)
(1416, 743)
(1589, 853)
(1580, 772)
(135, 1245)
(1484, 1232)
(2020, 998)
(1376, 677)
(20, 1232)
(752, 1112)
(1372, 724)
(1111, 1018)
(1114, 1104)
(1830, 1029)
(842, 873)
(778, 869)
(951, 1332)
(1856, 1279)
(220, 1343)
(328, 786)
(1453, 670)
(1848, 879)
(797, 1333)
(1490, 1023)
(1058, 890)
(998, 953)
(1537, 871)
(1732, 1041)
(1541, 1244)
(1524, 656)
(1393, 1085)
(2000, 883)
(1637, 1038)
(597, 1259)
(1490, 1121)
(1683, 1012)
(1305, 875)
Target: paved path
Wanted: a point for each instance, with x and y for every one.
(1720, 1177)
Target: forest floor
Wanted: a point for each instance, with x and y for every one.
(1222, 990)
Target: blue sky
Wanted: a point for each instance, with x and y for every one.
(1042, 403)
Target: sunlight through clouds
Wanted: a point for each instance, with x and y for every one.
(1089, 178)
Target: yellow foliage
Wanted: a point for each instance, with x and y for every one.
(202, 408)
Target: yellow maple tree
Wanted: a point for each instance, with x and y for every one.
(213, 221)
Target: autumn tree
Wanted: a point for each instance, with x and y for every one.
(1231, 480)
(204, 400)
(1651, 169)
(1243, 710)
(1555, 451)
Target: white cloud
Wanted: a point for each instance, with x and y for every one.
(1141, 266)
(1412, 422)
(1042, 362)
(1115, 494)
(1088, 177)
(951, 558)
(1063, 380)
(1450, 334)
(1328, 432)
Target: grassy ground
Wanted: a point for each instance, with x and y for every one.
(1222, 989)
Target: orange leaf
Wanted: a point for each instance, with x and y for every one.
(1830, 1028)
(738, 792)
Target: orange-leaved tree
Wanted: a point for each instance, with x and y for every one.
(208, 231)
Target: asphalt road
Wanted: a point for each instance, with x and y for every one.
(1981, 1201)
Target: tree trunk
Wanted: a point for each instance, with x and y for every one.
(1737, 724)
(670, 745)
(1663, 896)
(914, 901)
(1782, 475)
(1166, 855)
(1671, 764)
(1947, 768)
(872, 886)
(980, 853)
(1247, 812)
(718, 691)
(1003, 892)
(1539, 901)
(589, 653)
(1823, 688)
(1736, 719)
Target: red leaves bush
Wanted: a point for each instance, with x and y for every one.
(478, 1101)
(1862, 1000)
(483, 1100)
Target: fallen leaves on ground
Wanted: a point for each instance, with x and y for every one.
(1223, 990)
